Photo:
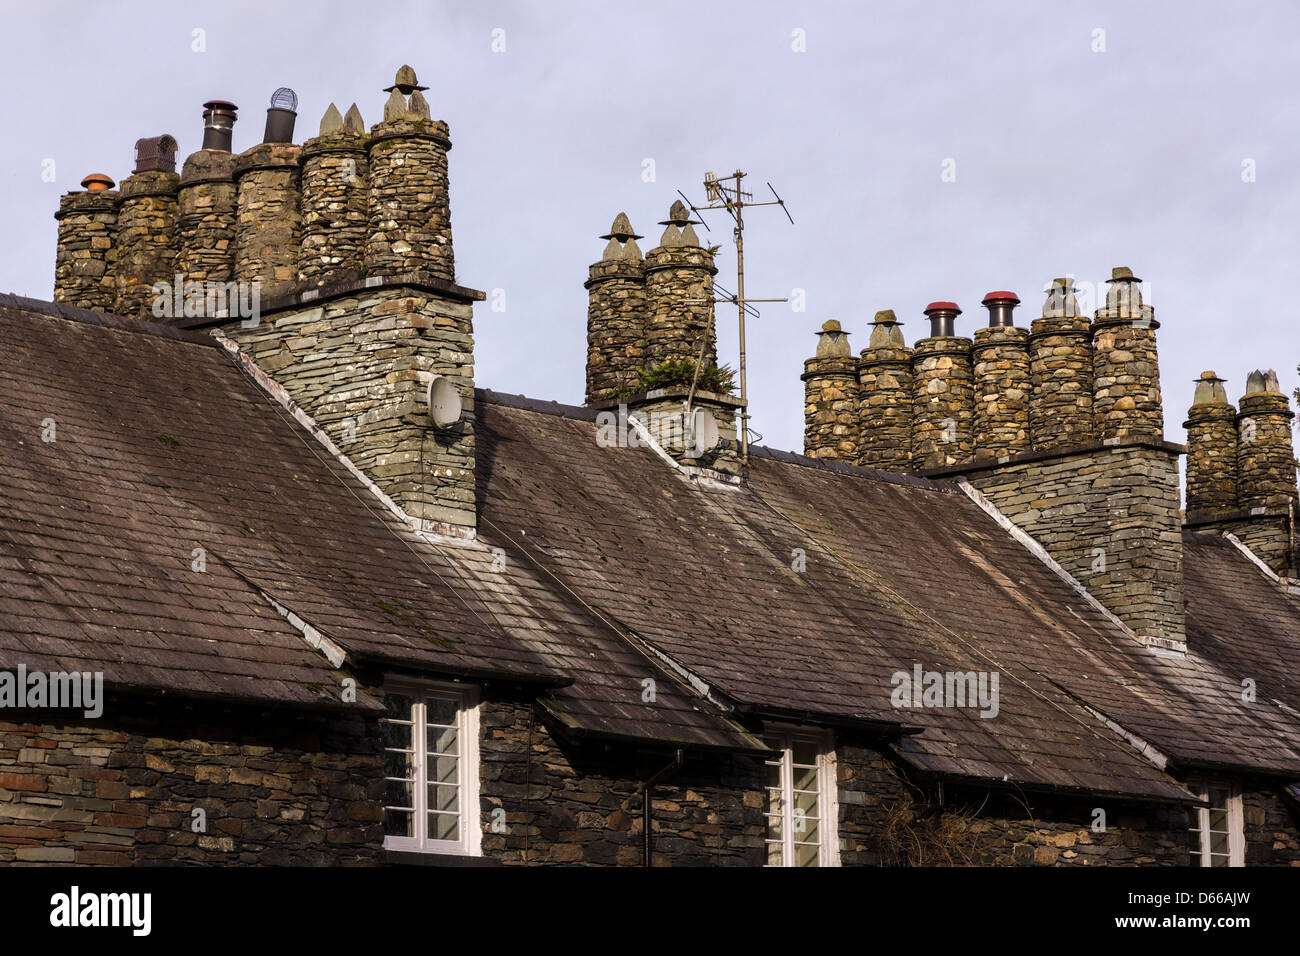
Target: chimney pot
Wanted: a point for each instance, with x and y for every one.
(218, 124)
(96, 182)
(941, 316)
(1000, 306)
(155, 153)
(280, 116)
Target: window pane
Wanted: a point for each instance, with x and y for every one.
(1218, 842)
(398, 763)
(397, 822)
(774, 856)
(774, 801)
(805, 778)
(806, 804)
(399, 793)
(442, 769)
(439, 710)
(774, 775)
(442, 740)
(399, 705)
(444, 798)
(444, 826)
(805, 753)
(805, 855)
(1219, 820)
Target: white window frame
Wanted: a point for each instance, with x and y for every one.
(467, 771)
(1236, 822)
(782, 737)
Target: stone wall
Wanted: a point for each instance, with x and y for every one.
(580, 805)
(277, 788)
(146, 239)
(1272, 827)
(1109, 515)
(205, 222)
(360, 365)
(269, 225)
(85, 268)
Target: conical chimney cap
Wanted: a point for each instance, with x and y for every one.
(405, 82)
(621, 229)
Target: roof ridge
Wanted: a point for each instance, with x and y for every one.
(585, 413)
(108, 320)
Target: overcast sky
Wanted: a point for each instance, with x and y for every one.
(1082, 136)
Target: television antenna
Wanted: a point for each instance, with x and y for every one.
(726, 193)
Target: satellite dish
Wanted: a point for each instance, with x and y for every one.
(444, 401)
(704, 431)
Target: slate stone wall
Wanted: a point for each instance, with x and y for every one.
(885, 411)
(205, 222)
(277, 788)
(85, 268)
(1272, 826)
(943, 402)
(409, 211)
(1211, 458)
(1060, 369)
(616, 333)
(679, 292)
(360, 365)
(831, 409)
(1110, 516)
(1000, 359)
(335, 207)
(146, 239)
(580, 805)
(269, 224)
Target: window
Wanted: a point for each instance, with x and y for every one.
(1219, 838)
(801, 805)
(431, 769)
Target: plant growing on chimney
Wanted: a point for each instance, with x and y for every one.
(713, 378)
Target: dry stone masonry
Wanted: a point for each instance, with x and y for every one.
(943, 393)
(885, 392)
(616, 316)
(831, 388)
(679, 294)
(85, 266)
(1060, 371)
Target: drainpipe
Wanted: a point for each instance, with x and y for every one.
(647, 795)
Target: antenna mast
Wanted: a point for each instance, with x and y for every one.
(725, 192)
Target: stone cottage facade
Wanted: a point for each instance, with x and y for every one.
(349, 609)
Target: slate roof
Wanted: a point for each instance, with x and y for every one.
(899, 571)
(162, 445)
(594, 570)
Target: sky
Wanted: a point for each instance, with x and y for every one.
(928, 151)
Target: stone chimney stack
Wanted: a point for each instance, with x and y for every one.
(269, 219)
(335, 200)
(831, 411)
(885, 390)
(146, 225)
(409, 207)
(1060, 370)
(85, 267)
(616, 337)
(1125, 366)
(1000, 358)
(1266, 471)
(1211, 450)
(943, 392)
(679, 294)
(206, 203)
